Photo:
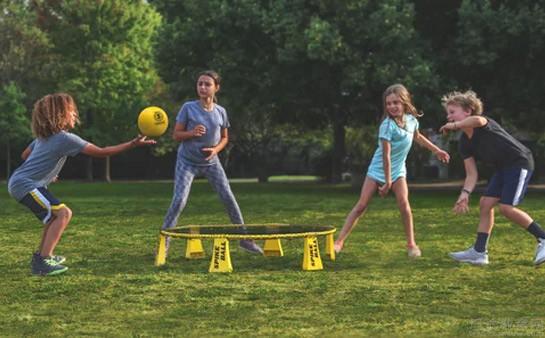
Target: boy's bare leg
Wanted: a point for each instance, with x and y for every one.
(516, 215)
(486, 207)
(44, 233)
(55, 230)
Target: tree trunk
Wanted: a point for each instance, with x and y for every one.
(107, 170)
(8, 161)
(338, 148)
(262, 176)
(89, 169)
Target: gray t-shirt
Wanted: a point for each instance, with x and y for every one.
(44, 163)
(191, 114)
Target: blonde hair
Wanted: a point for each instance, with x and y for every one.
(467, 100)
(50, 114)
(404, 96)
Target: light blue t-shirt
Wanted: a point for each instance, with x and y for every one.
(400, 140)
(44, 162)
(192, 114)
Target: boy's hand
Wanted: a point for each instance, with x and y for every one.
(462, 204)
(448, 126)
(142, 141)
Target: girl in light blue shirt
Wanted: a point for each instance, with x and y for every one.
(387, 170)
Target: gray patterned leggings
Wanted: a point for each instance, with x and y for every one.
(183, 178)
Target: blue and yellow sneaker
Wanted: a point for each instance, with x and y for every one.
(56, 258)
(46, 266)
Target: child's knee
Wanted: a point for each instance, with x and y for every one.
(64, 212)
(360, 208)
(505, 209)
(485, 203)
(404, 204)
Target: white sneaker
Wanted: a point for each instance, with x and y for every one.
(473, 257)
(540, 252)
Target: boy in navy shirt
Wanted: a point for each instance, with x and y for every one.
(484, 139)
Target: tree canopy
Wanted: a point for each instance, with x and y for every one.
(292, 69)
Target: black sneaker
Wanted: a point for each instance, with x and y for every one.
(46, 266)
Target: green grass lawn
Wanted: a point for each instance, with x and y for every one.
(114, 289)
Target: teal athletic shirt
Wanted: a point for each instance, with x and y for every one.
(400, 140)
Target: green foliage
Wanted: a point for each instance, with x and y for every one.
(107, 52)
(265, 149)
(361, 144)
(319, 66)
(503, 43)
(113, 289)
(14, 122)
(334, 59)
(25, 57)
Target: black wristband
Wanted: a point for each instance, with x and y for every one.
(466, 191)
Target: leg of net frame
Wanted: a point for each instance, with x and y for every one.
(194, 249)
(329, 248)
(311, 256)
(221, 257)
(161, 257)
(273, 247)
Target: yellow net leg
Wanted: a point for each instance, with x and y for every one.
(273, 247)
(221, 257)
(329, 248)
(194, 249)
(311, 255)
(161, 257)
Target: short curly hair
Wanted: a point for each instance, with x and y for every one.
(468, 100)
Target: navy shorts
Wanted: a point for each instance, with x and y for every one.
(41, 202)
(509, 185)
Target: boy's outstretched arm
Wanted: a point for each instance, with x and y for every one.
(423, 141)
(94, 151)
(468, 122)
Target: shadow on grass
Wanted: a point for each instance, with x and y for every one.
(144, 263)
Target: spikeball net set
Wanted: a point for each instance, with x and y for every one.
(271, 233)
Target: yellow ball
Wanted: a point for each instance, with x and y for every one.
(153, 121)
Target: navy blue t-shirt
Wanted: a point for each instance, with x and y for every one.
(493, 145)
